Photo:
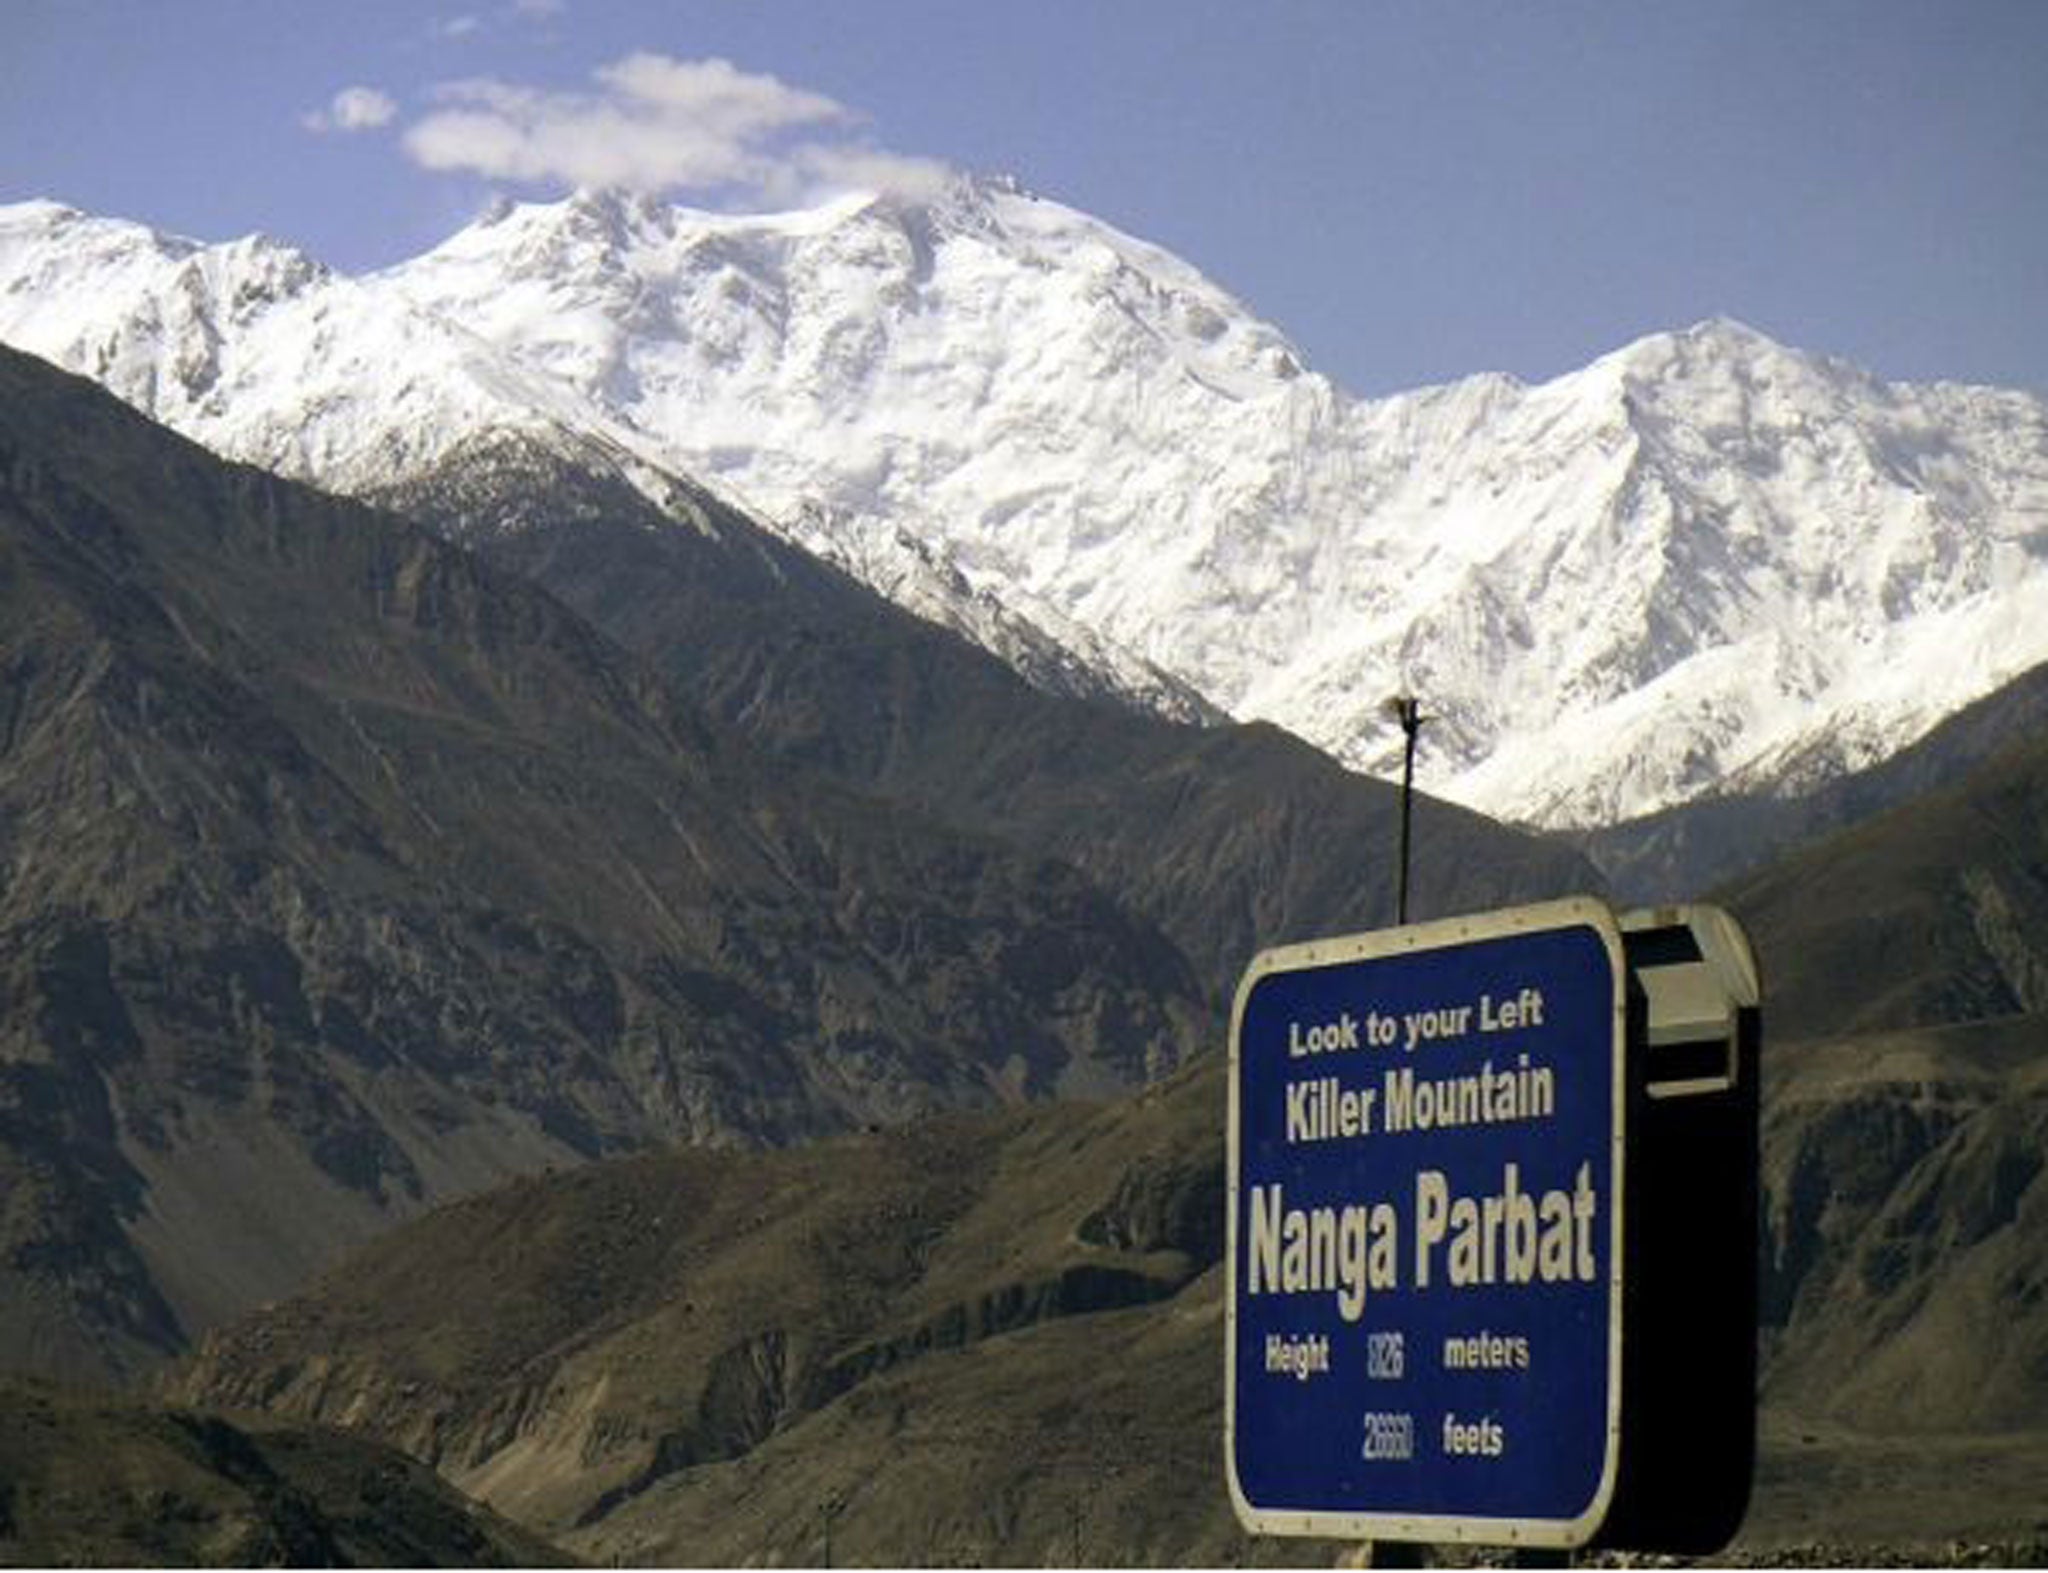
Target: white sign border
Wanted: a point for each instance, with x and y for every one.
(1441, 934)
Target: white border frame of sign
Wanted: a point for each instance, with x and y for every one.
(1438, 934)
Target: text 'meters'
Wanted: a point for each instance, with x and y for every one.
(1425, 1219)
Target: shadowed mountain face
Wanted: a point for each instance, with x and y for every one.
(690, 1357)
(1022, 1363)
(1000, 1339)
(1906, 993)
(1906, 1228)
(100, 1481)
(1723, 840)
(1907, 1214)
(1229, 838)
(1934, 912)
(344, 873)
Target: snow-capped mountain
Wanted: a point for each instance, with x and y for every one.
(1704, 560)
(264, 355)
(261, 353)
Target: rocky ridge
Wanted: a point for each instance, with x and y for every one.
(345, 873)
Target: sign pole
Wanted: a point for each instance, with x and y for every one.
(1408, 711)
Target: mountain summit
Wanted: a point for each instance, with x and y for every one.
(1705, 560)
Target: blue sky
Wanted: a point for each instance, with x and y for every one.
(1413, 190)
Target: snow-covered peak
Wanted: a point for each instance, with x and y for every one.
(45, 243)
(39, 221)
(1718, 341)
(695, 291)
(360, 385)
(261, 352)
(153, 326)
(1618, 588)
(1705, 559)
(1796, 564)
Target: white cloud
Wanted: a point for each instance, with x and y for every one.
(353, 109)
(475, 24)
(715, 94)
(654, 123)
(847, 167)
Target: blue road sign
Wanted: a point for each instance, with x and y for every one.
(1425, 1231)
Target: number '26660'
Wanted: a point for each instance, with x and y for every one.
(1388, 1438)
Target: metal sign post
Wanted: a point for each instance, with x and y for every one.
(1408, 712)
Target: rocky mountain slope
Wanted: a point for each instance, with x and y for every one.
(344, 873)
(97, 1481)
(1908, 1219)
(1000, 1341)
(1705, 560)
(1717, 840)
(1229, 838)
(1023, 1364)
(706, 1356)
(268, 357)
(1933, 912)
(1907, 1228)
(1904, 1136)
